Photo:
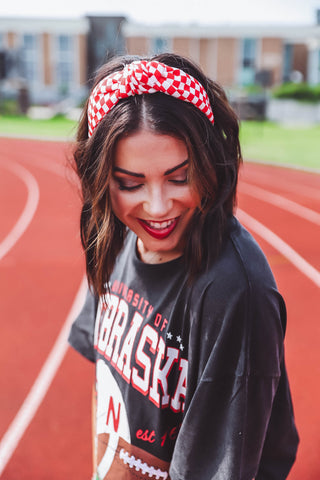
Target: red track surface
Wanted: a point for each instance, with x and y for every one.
(41, 274)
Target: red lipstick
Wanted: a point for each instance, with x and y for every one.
(158, 232)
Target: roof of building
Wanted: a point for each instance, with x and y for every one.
(291, 33)
(47, 25)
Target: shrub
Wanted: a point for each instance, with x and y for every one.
(9, 106)
(317, 91)
(298, 91)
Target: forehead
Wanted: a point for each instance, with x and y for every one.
(146, 151)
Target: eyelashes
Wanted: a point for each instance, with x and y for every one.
(128, 188)
(123, 186)
(180, 182)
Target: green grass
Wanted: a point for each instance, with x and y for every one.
(268, 142)
(57, 127)
(261, 141)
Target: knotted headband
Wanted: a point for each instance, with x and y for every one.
(141, 77)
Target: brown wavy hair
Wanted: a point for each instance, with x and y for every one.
(214, 159)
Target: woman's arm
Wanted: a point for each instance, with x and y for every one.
(81, 336)
(238, 422)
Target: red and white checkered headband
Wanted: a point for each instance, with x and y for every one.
(141, 77)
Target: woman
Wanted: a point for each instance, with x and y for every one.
(183, 318)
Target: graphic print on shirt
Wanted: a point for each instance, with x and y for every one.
(137, 353)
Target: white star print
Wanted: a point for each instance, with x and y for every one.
(181, 347)
(179, 339)
(169, 335)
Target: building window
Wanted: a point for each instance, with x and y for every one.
(29, 58)
(159, 45)
(314, 66)
(248, 61)
(287, 62)
(65, 65)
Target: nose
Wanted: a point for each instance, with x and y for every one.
(157, 204)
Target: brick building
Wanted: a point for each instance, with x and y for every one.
(56, 58)
(237, 55)
(47, 55)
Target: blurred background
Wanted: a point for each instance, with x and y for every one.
(266, 54)
(250, 48)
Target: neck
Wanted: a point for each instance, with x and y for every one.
(148, 256)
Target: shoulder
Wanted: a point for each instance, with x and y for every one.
(236, 303)
(241, 265)
(249, 256)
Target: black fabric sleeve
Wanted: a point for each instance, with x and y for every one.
(81, 336)
(230, 429)
(276, 462)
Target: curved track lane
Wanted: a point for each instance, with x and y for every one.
(297, 272)
(39, 279)
(40, 276)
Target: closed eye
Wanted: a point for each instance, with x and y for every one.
(179, 178)
(179, 182)
(128, 186)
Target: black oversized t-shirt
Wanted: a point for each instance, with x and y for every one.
(190, 379)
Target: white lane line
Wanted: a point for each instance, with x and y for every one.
(288, 252)
(28, 409)
(288, 184)
(29, 210)
(281, 202)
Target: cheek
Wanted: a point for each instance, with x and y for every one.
(122, 204)
(194, 198)
(117, 204)
(186, 196)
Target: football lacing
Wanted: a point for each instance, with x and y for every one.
(139, 465)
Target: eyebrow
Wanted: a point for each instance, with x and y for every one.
(141, 175)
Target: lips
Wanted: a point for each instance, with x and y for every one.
(159, 230)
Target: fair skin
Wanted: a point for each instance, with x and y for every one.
(151, 195)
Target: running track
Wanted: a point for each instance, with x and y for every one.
(45, 427)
